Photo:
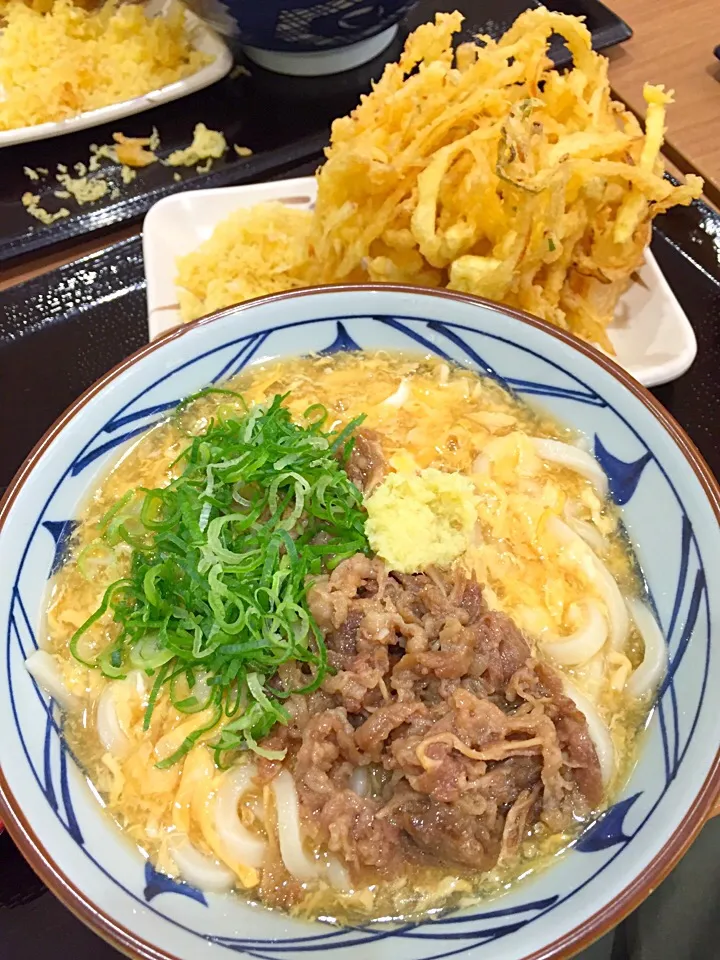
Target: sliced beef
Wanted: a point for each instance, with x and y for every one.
(502, 651)
(448, 835)
(366, 465)
(342, 643)
(349, 825)
(516, 823)
(475, 740)
(327, 739)
(372, 736)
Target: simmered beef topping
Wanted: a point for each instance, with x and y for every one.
(439, 739)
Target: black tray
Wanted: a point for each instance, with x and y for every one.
(283, 121)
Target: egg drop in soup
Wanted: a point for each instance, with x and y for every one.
(355, 636)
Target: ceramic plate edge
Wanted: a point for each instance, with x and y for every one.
(163, 317)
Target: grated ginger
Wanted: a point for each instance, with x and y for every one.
(59, 63)
(417, 520)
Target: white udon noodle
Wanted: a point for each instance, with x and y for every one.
(573, 458)
(295, 858)
(398, 398)
(43, 667)
(246, 847)
(588, 531)
(585, 642)
(619, 609)
(198, 868)
(599, 576)
(651, 671)
(107, 722)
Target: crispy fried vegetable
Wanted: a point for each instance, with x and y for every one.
(485, 170)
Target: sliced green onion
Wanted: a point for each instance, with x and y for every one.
(93, 618)
(191, 739)
(150, 653)
(97, 554)
(110, 662)
(215, 600)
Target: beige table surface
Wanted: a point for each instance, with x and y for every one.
(672, 43)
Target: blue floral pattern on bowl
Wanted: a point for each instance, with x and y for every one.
(303, 26)
(664, 510)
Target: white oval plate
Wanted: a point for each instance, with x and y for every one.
(203, 39)
(651, 334)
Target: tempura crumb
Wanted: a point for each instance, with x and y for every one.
(129, 153)
(31, 202)
(84, 189)
(136, 151)
(206, 145)
(105, 151)
(61, 60)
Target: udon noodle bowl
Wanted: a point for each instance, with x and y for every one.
(357, 636)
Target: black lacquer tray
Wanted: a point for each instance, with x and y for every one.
(283, 121)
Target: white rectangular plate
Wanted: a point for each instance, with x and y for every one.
(651, 334)
(202, 38)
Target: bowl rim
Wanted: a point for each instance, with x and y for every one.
(564, 946)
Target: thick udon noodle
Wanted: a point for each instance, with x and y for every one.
(548, 549)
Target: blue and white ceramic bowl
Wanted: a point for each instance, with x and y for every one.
(670, 504)
(308, 37)
(304, 26)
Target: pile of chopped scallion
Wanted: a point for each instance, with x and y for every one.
(215, 600)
